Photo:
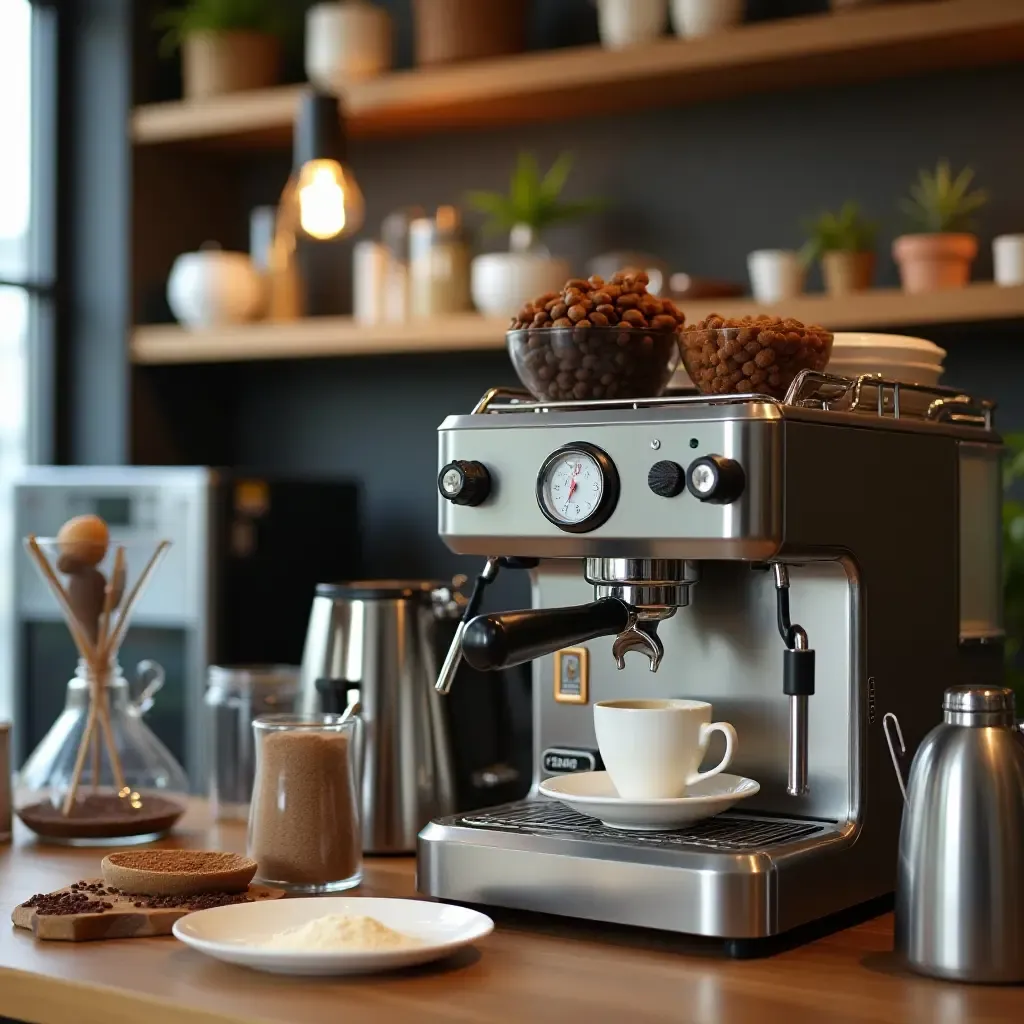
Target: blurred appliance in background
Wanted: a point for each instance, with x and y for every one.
(385, 640)
(247, 552)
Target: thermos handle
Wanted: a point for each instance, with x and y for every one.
(890, 719)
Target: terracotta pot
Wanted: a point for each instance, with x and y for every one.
(929, 263)
(846, 272)
(454, 30)
(214, 63)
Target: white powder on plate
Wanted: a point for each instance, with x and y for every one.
(340, 932)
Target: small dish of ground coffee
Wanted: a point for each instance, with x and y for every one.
(174, 872)
(303, 823)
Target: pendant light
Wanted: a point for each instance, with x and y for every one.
(321, 205)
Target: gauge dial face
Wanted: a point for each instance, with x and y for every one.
(577, 488)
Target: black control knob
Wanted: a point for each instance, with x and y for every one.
(464, 483)
(667, 479)
(716, 479)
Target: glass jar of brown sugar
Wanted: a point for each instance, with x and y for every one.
(304, 821)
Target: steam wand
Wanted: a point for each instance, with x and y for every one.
(797, 683)
(487, 576)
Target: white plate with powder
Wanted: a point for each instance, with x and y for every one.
(327, 935)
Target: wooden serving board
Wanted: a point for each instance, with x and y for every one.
(123, 921)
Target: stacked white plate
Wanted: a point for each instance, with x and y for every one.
(895, 357)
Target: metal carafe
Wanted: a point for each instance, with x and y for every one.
(960, 882)
(377, 638)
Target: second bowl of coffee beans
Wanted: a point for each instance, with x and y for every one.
(759, 354)
(596, 339)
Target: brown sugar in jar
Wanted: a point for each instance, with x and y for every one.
(303, 824)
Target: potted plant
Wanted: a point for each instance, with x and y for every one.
(500, 281)
(226, 45)
(940, 254)
(844, 242)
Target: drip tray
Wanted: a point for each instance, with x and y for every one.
(730, 833)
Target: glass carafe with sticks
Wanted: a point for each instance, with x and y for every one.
(100, 776)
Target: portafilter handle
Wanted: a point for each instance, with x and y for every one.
(492, 642)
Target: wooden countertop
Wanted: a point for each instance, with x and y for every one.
(530, 969)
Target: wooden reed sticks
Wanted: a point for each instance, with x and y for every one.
(97, 657)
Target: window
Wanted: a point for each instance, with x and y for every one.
(27, 104)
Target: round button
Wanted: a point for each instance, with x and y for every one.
(715, 479)
(464, 483)
(667, 479)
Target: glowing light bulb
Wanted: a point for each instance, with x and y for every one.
(330, 203)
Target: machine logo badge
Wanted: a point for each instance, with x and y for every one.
(572, 675)
(562, 761)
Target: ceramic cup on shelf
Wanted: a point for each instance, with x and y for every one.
(775, 274)
(211, 288)
(623, 23)
(1008, 260)
(346, 42)
(652, 749)
(692, 18)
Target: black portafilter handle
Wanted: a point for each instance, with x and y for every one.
(493, 642)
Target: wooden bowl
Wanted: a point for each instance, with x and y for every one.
(177, 872)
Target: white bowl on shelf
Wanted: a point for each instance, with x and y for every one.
(211, 288)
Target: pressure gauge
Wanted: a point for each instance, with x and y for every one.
(577, 487)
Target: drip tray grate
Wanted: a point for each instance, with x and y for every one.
(727, 832)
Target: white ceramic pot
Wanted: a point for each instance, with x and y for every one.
(692, 18)
(623, 23)
(501, 282)
(346, 42)
(775, 275)
(211, 288)
(1008, 259)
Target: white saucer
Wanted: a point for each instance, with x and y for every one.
(592, 794)
(232, 933)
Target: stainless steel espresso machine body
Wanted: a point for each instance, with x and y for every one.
(805, 565)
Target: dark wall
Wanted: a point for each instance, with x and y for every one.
(698, 186)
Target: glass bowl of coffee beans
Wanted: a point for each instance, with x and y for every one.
(596, 339)
(759, 354)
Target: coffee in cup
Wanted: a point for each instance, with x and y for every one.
(652, 749)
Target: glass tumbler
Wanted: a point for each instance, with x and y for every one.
(304, 830)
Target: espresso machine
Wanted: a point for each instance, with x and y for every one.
(805, 564)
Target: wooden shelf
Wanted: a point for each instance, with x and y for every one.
(312, 338)
(873, 43)
(341, 336)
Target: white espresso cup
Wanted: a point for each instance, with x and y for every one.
(652, 749)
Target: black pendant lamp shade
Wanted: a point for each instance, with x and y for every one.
(319, 130)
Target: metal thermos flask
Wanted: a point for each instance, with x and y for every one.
(960, 881)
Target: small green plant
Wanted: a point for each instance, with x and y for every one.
(533, 200)
(845, 231)
(220, 16)
(940, 202)
(1013, 561)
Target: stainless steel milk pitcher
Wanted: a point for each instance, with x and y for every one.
(376, 638)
